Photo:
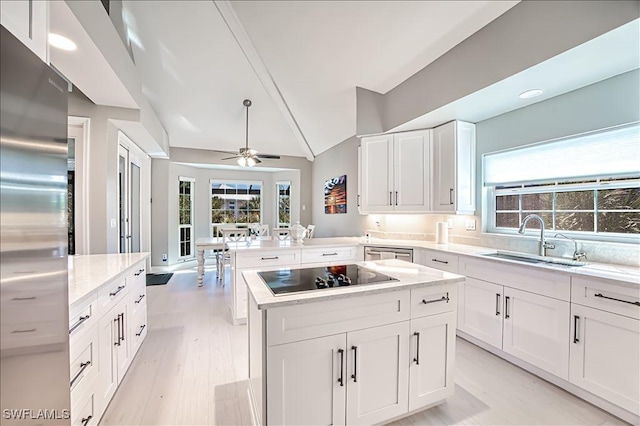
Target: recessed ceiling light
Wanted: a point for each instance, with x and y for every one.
(530, 94)
(61, 42)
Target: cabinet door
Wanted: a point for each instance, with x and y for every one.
(378, 372)
(465, 165)
(605, 355)
(411, 171)
(303, 382)
(444, 167)
(29, 22)
(107, 380)
(432, 359)
(377, 178)
(124, 348)
(536, 330)
(480, 310)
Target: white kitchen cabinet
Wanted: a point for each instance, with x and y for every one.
(395, 173)
(308, 368)
(536, 330)
(378, 373)
(438, 259)
(605, 355)
(480, 312)
(454, 168)
(28, 21)
(432, 364)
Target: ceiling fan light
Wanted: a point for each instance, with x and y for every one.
(242, 162)
(251, 162)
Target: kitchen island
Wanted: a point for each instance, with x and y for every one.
(354, 354)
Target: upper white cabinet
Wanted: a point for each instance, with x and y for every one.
(454, 168)
(395, 171)
(28, 20)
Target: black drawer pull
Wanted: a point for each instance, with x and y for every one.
(442, 299)
(440, 261)
(85, 421)
(506, 307)
(617, 300)
(270, 258)
(575, 329)
(79, 323)
(341, 378)
(417, 358)
(24, 298)
(30, 330)
(329, 254)
(140, 299)
(118, 290)
(497, 304)
(354, 376)
(142, 327)
(83, 366)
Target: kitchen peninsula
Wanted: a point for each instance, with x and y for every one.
(378, 348)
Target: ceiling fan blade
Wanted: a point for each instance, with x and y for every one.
(268, 156)
(228, 152)
(231, 158)
(256, 160)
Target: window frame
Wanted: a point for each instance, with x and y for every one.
(235, 182)
(279, 224)
(192, 254)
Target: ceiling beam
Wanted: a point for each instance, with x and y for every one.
(262, 72)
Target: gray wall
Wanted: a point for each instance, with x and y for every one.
(604, 104)
(341, 159)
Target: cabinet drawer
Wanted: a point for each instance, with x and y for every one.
(22, 307)
(545, 283)
(433, 300)
(32, 334)
(267, 258)
(305, 321)
(328, 255)
(138, 329)
(110, 294)
(83, 354)
(84, 412)
(138, 298)
(82, 316)
(606, 295)
(440, 260)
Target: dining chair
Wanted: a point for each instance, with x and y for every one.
(310, 230)
(260, 229)
(281, 233)
(229, 235)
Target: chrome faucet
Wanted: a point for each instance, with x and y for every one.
(542, 244)
(577, 255)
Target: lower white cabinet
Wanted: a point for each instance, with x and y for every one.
(431, 373)
(605, 355)
(114, 349)
(480, 310)
(377, 373)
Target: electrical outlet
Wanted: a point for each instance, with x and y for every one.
(114, 223)
(164, 257)
(450, 223)
(471, 225)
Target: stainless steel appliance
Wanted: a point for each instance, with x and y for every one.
(34, 338)
(285, 281)
(378, 253)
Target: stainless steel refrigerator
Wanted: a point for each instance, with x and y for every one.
(34, 339)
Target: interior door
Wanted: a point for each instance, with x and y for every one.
(377, 373)
(123, 199)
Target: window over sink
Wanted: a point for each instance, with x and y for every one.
(586, 185)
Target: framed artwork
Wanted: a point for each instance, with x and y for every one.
(335, 195)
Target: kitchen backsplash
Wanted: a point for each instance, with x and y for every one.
(422, 227)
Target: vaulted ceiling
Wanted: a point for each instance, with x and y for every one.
(196, 68)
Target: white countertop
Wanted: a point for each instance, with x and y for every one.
(409, 275)
(87, 273)
(270, 244)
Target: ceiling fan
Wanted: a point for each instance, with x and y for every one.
(248, 157)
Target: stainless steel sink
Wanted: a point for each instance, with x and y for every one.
(532, 258)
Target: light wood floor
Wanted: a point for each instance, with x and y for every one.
(192, 369)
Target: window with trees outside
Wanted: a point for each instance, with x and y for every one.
(587, 186)
(185, 217)
(283, 190)
(235, 204)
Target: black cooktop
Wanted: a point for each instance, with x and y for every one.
(285, 281)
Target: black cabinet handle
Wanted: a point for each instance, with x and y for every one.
(329, 254)
(122, 325)
(354, 376)
(442, 299)
(575, 329)
(270, 258)
(142, 327)
(140, 271)
(118, 290)
(79, 323)
(85, 421)
(450, 195)
(497, 304)
(83, 366)
(506, 307)
(440, 261)
(417, 358)
(358, 203)
(396, 198)
(617, 300)
(341, 378)
(117, 320)
(140, 299)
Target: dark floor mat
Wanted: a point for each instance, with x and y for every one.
(158, 279)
